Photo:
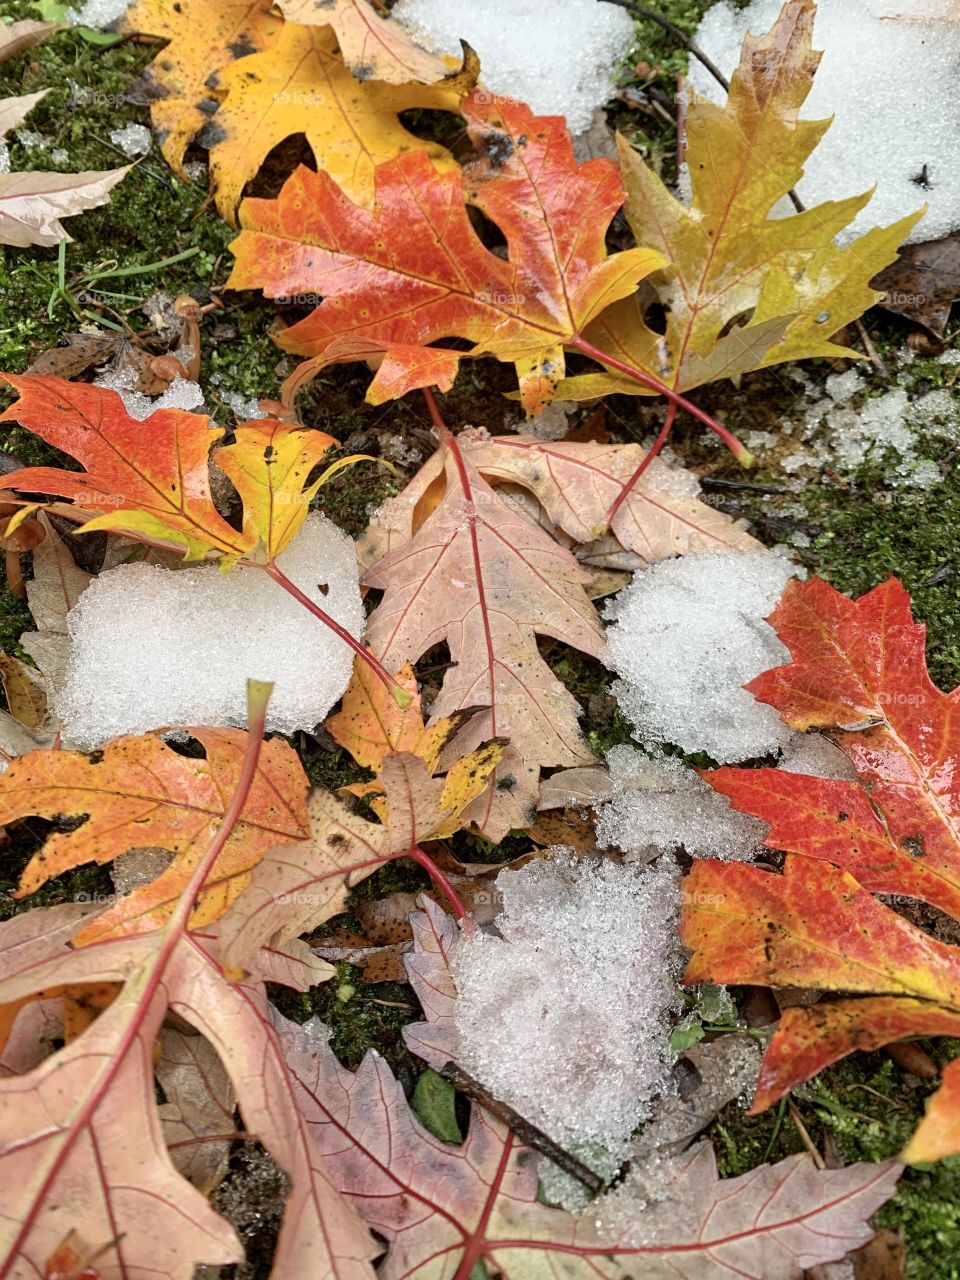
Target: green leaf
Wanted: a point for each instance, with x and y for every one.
(434, 1103)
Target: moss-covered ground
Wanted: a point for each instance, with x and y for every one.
(857, 529)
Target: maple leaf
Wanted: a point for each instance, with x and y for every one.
(374, 48)
(445, 1209)
(298, 887)
(412, 270)
(858, 673)
(139, 792)
(743, 290)
(84, 1150)
(32, 204)
(153, 483)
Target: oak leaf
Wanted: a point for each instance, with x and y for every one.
(412, 270)
(151, 480)
(858, 674)
(743, 290)
(139, 792)
(445, 1209)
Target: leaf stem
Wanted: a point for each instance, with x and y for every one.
(739, 451)
(439, 879)
(401, 696)
(652, 452)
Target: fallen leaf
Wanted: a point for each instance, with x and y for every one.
(374, 48)
(858, 673)
(13, 111)
(16, 37)
(203, 35)
(743, 290)
(199, 1105)
(924, 283)
(299, 886)
(299, 85)
(443, 1208)
(84, 1150)
(386, 275)
(32, 204)
(153, 483)
(482, 579)
(138, 791)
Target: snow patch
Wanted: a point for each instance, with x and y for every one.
(561, 64)
(563, 1016)
(151, 647)
(133, 140)
(659, 804)
(888, 77)
(687, 635)
(97, 13)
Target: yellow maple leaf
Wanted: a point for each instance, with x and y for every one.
(744, 290)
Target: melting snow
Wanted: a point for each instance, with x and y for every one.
(560, 63)
(888, 77)
(687, 634)
(153, 647)
(563, 1016)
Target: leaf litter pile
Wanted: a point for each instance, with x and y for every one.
(595, 931)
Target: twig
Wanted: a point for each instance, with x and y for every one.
(158, 177)
(805, 1138)
(677, 34)
(528, 1133)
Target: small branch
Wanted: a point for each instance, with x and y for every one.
(678, 35)
(655, 448)
(528, 1133)
(400, 695)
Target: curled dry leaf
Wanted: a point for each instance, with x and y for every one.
(859, 674)
(16, 37)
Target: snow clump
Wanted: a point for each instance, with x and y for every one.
(564, 1015)
(151, 647)
(687, 634)
(888, 77)
(559, 63)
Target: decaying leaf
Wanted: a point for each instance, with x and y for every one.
(203, 35)
(15, 37)
(200, 1102)
(137, 791)
(388, 277)
(743, 290)
(13, 111)
(924, 283)
(32, 204)
(858, 673)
